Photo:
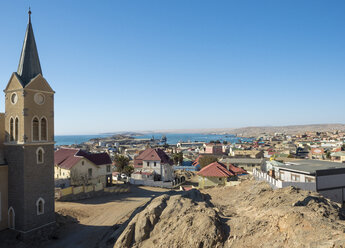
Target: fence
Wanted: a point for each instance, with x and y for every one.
(151, 183)
(281, 184)
(169, 185)
(90, 188)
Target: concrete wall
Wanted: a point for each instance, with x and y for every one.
(287, 176)
(337, 195)
(168, 172)
(331, 181)
(3, 196)
(151, 183)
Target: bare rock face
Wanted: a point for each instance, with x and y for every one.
(185, 220)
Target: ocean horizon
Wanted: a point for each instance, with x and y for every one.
(172, 138)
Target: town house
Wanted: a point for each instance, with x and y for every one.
(153, 161)
(77, 167)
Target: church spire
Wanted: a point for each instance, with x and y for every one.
(29, 63)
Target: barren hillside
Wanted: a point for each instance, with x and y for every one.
(248, 215)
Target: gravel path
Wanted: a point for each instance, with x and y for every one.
(97, 215)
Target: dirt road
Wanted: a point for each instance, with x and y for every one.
(98, 215)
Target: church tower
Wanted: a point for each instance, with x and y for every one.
(29, 142)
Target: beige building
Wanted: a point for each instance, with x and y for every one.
(76, 167)
(247, 154)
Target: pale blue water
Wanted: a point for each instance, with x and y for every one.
(171, 138)
(174, 138)
(75, 139)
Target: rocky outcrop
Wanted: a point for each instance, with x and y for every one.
(186, 220)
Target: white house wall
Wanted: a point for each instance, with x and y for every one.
(287, 176)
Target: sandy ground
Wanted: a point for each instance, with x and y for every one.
(250, 214)
(96, 216)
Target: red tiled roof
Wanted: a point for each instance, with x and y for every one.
(215, 169)
(151, 154)
(66, 158)
(237, 170)
(196, 162)
(96, 158)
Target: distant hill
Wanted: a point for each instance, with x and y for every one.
(248, 131)
(294, 129)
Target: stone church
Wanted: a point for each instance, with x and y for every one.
(27, 145)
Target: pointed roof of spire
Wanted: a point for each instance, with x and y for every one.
(29, 63)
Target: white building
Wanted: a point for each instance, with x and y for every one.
(154, 161)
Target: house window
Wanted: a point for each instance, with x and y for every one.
(282, 176)
(16, 128)
(148, 164)
(89, 172)
(43, 128)
(40, 206)
(154, 164)
(309, 179)
(11, 129)
(35, 129)
(108, 168)
(82, 162)
(40, 155)
(295, 178)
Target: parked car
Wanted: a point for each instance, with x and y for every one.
(123, 176)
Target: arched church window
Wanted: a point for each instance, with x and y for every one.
(43, 128)
(16, 129)
(40, 206)
(11, 218)
(11, 129)
(40, 155)
(35, 129)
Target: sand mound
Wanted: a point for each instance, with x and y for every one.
(186, 220)
(261, 217)
(250, 214)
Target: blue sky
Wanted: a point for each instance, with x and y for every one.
(147, 65)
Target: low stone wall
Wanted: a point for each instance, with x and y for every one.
(152, 183)
(83, 192)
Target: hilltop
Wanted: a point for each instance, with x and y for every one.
(250, 214)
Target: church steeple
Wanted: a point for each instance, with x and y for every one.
(29, 63)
